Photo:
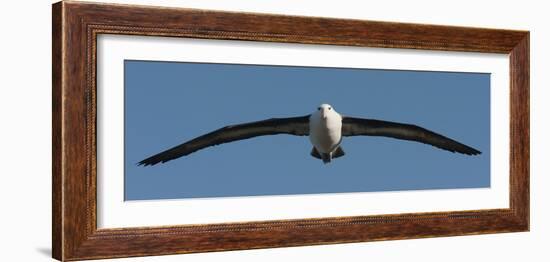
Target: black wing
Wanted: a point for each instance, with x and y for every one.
(298, 126)
(370, 127)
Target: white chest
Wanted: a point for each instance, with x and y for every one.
(325, 134)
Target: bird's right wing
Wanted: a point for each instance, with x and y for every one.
(298, 126)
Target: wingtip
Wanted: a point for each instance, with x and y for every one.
(151, 161)
(474, 152)
(144, 163)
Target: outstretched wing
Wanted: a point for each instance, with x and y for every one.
(352, 126)
(298, 126)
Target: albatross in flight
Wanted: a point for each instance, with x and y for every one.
(325, 128)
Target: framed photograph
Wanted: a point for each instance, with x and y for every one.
(182, 130)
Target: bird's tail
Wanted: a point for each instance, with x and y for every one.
(327, 157)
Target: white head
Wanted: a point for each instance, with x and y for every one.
(325, 111)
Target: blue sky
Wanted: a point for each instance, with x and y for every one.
(168, 103)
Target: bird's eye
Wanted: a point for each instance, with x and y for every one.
(330, 108)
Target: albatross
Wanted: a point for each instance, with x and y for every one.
(325, 128)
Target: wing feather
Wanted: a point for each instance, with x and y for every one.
(298, 126)
(352, 126)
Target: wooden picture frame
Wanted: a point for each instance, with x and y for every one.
(75, 28)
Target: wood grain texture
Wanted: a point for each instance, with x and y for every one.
(57, 202)
(519, 130)
(76, 26)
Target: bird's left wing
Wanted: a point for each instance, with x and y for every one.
(298, 126)
(352, 126)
